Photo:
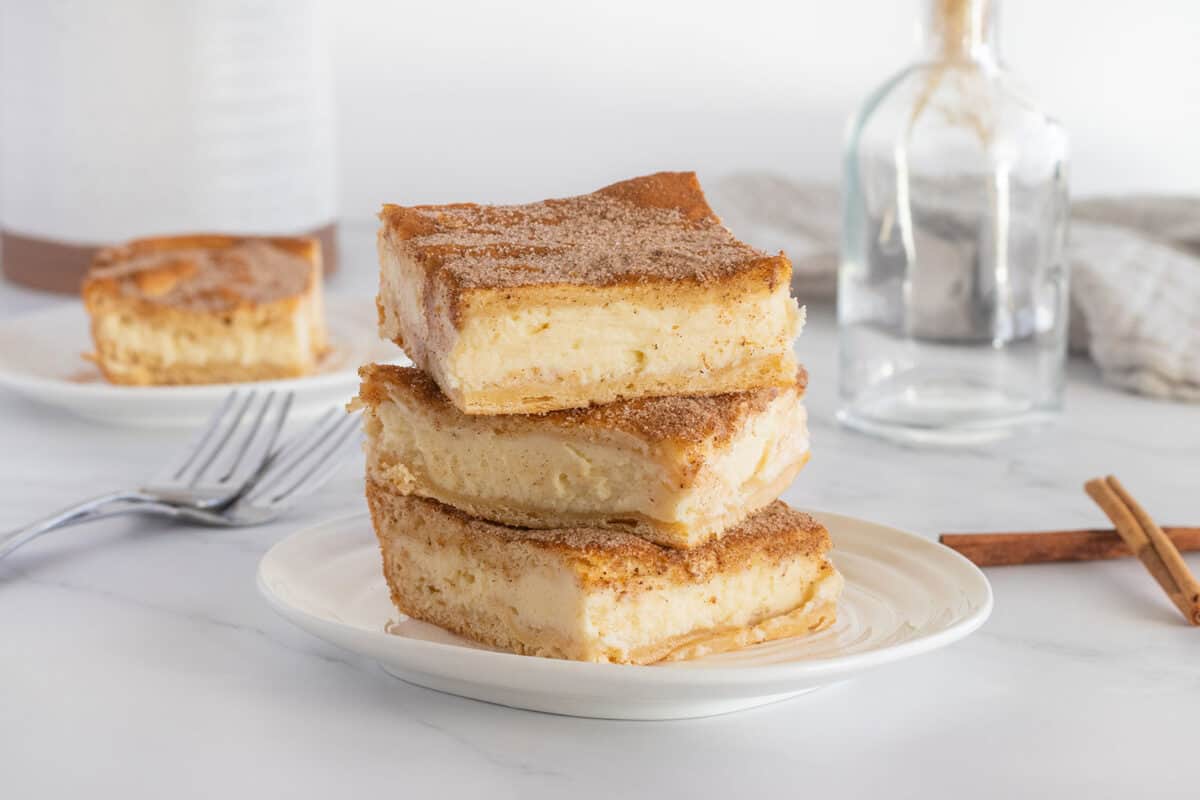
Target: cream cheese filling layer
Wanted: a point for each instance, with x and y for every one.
(770, 444)
(615, 474)
(544, 601)
(593, 343)
(126, 338)
(622, 622)
(542, 596)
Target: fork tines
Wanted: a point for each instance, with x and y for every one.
(305, 462)
(235, 442)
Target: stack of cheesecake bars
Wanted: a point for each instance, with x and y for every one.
(586, 462)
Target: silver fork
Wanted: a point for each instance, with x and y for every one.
(301, 467)
(221, 462)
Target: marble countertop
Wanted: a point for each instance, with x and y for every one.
(139, 661)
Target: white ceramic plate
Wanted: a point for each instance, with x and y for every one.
(904, 595)
(41, 356)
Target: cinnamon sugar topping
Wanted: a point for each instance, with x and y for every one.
(777, 524)
(654, 228)
(680, 418)
(204, 278)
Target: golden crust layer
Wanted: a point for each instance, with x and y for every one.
(682, 420)
(808, 618)
(150, 375)
(774, 371)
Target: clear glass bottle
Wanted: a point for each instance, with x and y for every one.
(952, 291)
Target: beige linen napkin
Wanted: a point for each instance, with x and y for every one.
(1135, 271)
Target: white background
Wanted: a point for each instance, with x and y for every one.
(472, 100)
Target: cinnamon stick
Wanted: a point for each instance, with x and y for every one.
(1014, 549)
(1148, 542)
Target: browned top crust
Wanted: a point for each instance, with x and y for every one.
(687, 421)
(604, 558)
(649, 229)
(207, 272)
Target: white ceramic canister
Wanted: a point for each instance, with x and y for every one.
(131, 118)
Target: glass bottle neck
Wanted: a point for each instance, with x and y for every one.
(961, 30)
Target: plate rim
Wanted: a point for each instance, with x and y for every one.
(662, 674)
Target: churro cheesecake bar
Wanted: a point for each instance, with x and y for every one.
(635, 290)
(206, 309)
(675, 470)
(596, 595)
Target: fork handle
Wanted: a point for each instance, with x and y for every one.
(106, 505)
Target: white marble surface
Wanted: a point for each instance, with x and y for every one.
(137, 660)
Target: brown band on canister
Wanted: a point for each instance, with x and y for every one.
(58, 267)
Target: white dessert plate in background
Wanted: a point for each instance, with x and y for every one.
(904, 596)
(41, 357)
